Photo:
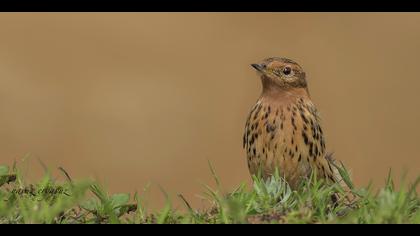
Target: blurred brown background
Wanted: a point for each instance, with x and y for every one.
(132, 98)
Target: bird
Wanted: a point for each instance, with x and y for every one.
(283, 130)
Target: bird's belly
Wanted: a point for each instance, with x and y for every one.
(278, 154)
(282, 138)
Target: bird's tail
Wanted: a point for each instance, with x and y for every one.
(342, 177)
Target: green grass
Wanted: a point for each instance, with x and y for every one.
(272, 201)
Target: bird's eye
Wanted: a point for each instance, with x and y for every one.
(287, 70)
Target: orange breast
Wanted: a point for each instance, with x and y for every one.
(287, 137)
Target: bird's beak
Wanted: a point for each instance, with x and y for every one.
(258, 67)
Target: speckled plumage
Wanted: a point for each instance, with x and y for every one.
(283, 129)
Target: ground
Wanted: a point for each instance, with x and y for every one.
(271, 201)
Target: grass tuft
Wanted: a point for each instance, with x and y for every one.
(265, 201)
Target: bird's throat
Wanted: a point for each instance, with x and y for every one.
(283, 95)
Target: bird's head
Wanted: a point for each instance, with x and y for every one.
(280, 73)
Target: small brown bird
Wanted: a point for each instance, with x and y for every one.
(283, 129)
